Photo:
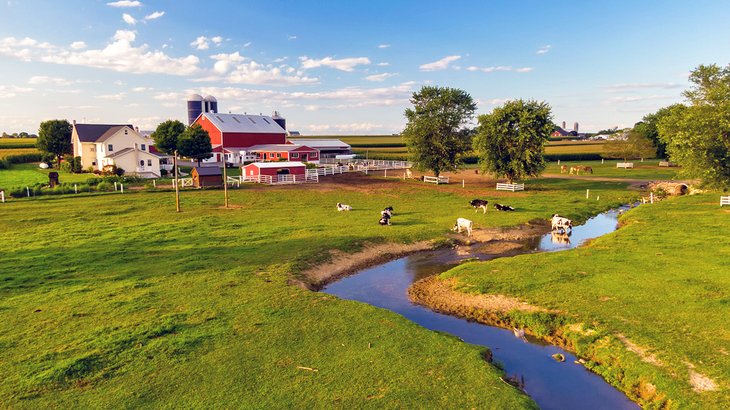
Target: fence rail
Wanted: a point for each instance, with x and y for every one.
(624, 165)
(724, 200)
(183, 182)
(436, 180)
(510, 187)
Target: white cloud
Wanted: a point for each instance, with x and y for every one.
(141, 89)
(343, 64)
(112, 97)
(236, 69)
(10, 91)
(118, 55)
(155, 15)
(42, 79)
(217, 39)
(384, 46)
(224, 62)
(441, 64)
(201, 43)
(351, 127)
(124, 3)
(146, 123)
(638, 98)
(129, 19)
(492, 69)
(640, 86)
(289, 37)
(380, 77)
(493, 101)
(544, 49)
(280, 59)
(78, 45)
(248, 43)
(383, 64)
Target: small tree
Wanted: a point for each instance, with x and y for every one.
(166, 138)
(632, 145)
(54, 137)
(195, 143)
(437, 133)
(511, 140)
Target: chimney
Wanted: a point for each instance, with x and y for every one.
(575, 126)
(563, 124)
(74, 121)
(136, 129)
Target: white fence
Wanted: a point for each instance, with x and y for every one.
(310, 177)
(366, 164)
(667, 164)
(183, 182)
(436, 180)
(624, 165)
(724, 200)
(510, 187)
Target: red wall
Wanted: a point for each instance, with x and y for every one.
(239, 139)
(271, 171)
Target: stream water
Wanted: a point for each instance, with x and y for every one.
(553, 385)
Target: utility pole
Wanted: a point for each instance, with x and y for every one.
(225, 174)
(177, 188)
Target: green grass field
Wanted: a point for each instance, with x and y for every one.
(7, 143)
(6, 152)
(661, 281)
(20, 175)
(115, 300)
(647, 170)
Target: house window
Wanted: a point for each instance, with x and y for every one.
(125, 132)
(93, 163)
(141, 163)
(149, 162)
(110, 147)
(143, 147)
(250, 172)
(295, 155)
(92, 149)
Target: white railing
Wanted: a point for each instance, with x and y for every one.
(324, 171)
(624, 165)
(436, 180)
(183, 182)
(667, 164)
(724, 200)
(510, 187)
(234, 180)
(309, 177)
(368, 164)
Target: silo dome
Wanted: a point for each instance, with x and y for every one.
(210, 98)
(195, 97)
(210, 104)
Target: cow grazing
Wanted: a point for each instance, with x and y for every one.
(387, 211)
(576, 170)
(479, 203)
(384, 219)
(563, 169)
(500, 207)
(343, 207)
(463, 224)
(561, 224)
(588, 170)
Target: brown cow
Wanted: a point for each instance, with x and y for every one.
(588, 169)
(563, 169)
(576, 170)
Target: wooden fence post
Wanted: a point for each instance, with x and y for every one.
(2, 196)
(115, 185)
(76, 189)
(587, 193)
(121, 186)
(27, 191)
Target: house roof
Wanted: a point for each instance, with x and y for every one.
(130, 150)
(282, 164)
(322, 143)
(208, 171)
(243, 123)
(97, 132)
(276, 147)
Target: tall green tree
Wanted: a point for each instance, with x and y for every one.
(632, 145)
(166, 137)
(698, 134)
(648, 128)
(54, 137)
(437, 133)
(511, 140)
(195, 143)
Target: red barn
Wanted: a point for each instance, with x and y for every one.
(241, 130)
(288, 152)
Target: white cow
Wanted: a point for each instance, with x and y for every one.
(561, 224)
(343, 207)
(463, 223)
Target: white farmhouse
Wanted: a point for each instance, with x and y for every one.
(104, 145)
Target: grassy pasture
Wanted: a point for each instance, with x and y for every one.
(116, 301)
(20, 175)
(648, 170)
(661, 281)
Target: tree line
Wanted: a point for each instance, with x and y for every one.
(510, 141)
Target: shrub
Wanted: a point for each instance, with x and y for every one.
(24, 158)
(163, 172)
(93, 181)
(104, 186)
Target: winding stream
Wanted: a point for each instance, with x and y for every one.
(552, 385)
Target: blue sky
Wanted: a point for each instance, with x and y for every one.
(348, 67)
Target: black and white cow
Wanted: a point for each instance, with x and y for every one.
(500, 207)
(343, 207)
(479, 203)
(384, 218)
(561, 224)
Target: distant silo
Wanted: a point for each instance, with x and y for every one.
(564, 124)
(195, 107)
(575, 126)
(211, 104)
(279, 119)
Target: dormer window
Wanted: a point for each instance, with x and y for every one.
(110, 147)
(142, 147)
(125, 131)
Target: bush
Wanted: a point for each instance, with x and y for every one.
(163, 172)
(93, 181)
(104, 186)
(24, 158)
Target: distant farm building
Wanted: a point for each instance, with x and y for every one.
(102, 146)
(274, 168)
(207, 177)
(328, 148)
(283, 152)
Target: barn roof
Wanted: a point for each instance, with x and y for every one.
(282, 164)
(97, 132)
(243, 123)
(208, 171)
(322, 143)
(276, 147)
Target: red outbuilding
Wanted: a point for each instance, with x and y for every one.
(288, 152)
(274, 168)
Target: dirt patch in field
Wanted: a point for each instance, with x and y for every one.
(639, 350)
(439, 295)
(700, 383)
(343, 264)
(499, 247)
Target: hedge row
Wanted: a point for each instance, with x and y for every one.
(20, 159)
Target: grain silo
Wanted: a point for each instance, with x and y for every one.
(279, 119)
(195, 107)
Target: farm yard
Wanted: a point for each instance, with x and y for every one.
(148, 306)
